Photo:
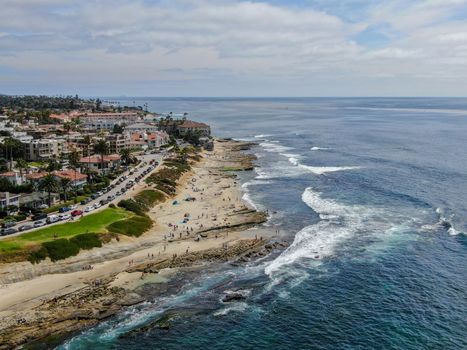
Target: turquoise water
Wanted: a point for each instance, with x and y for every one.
(371, 194)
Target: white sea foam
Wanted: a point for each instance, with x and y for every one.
(319, 240)
(319, 170)
(261, 136)
(315, 148)
(247, 198)
(274, 147)
(447, 222)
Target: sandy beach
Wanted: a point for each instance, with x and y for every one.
(205, 221)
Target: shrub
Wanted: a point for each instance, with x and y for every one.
(134, 226)
(61, 249)
(111, 205)
(38, 255)
(87, 240)
(131, 205)
(149, 197)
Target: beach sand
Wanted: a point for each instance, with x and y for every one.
(218, 217)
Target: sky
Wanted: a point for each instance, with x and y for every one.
(234, 47)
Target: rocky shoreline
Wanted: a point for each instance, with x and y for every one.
(66, 313)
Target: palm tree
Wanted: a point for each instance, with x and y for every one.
(49, 184)
(65, 184)
(73, 159)
(101, 148)
(21, 164)
(125, 154)
(87, 144)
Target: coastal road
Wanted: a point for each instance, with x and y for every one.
(158, 157)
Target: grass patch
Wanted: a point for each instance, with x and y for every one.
(134, 226)
(149, 197)
(134, 206)
(90, 223)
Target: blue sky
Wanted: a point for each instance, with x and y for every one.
(234, 47)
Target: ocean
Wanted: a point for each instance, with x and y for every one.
(371, 194)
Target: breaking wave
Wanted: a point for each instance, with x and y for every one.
(320, 170)
(338, 222)
(319, 148)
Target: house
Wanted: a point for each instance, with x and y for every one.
(77, 179)
(8, 199)
(142, 127)
(189, 126)
(149, 139)
(35, 199)
(35, 178)
(13, 177)
(117, 142)
(44, 149)
(100, 164)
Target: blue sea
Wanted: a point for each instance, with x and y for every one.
(371, 194)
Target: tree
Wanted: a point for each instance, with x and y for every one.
(101, 148)
(21, 164)
(73, 159)
(65, 183)
(125, 154)
(87, 141)
(117, 129)
(49, 184)
(11, 148)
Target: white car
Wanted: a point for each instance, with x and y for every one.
(73, 207)
(97, 205)
(64, 217)
(39, 223)
(89, 208)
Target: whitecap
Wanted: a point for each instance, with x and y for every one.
(316, 148)
(261, 136)
(274, 147)
(320, 170)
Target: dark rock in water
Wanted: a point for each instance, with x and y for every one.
(446, 224)
(233, 296)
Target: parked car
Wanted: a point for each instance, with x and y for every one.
(39, 223)
(8, 224)
(110, 197)
(94, 196)
(43, 206)
(64, 209)
(52, 218)
(103, 202)
(97, 205)
(8, 231)
(39, 216)
(73, 207)
(64, 217)
(76, 213)
(25, 227)
(89, 208)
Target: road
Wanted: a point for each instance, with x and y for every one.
(118, 187)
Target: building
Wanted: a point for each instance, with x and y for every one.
(117, 142)
(44, 149)
(13, 177)
(97, 164)
(141, 127)
(77, 179)
(107, 121)
(189, 126)
(149, 140)
(7, 199)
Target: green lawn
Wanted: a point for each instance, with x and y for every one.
(96, 222)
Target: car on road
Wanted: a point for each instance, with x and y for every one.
(64, 209)
(52, 218)
(39, 216)
(103, 202)
(76, 213)
(94, 196)
(89, 208)
(110, 197)
(8, 231)
(8, 224)
(39, 223)
(97, 204)
(73, 207)
(66, 216)
(25, 227)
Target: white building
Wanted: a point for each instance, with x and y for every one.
(107, 121)
(43, 149)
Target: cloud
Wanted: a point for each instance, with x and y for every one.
(280, 46)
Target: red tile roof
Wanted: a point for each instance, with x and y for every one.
(97, 158)
(8, 174)
(71, 175)
(35, 176)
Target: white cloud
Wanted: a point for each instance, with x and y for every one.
(121, 43)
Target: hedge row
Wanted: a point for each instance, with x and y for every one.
(64, 248)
